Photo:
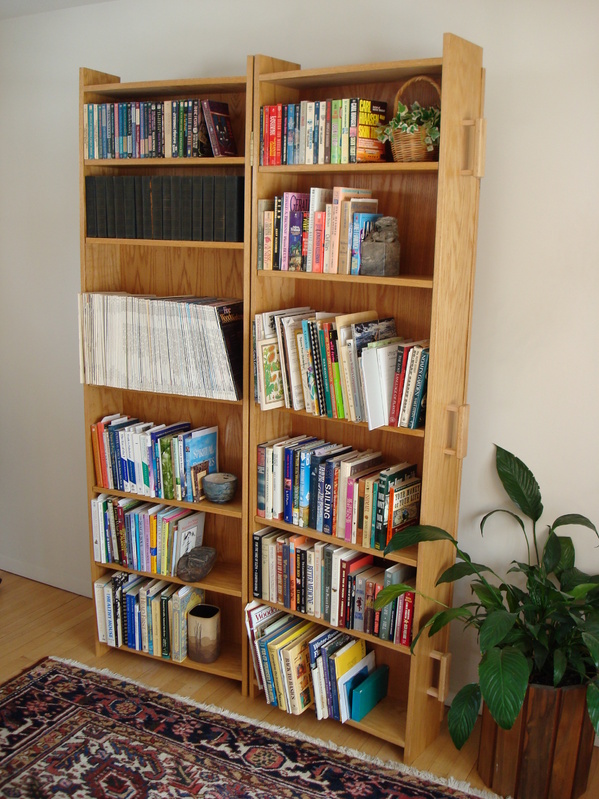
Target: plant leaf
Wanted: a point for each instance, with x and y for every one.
(417, 534)
(520, 483)
(593, 703)
(389, 593)
(443, 617)
(495, 627)
(503, 677)
(551, 553)
(489, 596)
(570, 578)
(461, 569)
(567, 554)
(560, 663)
(463, 713)
(574, 518)
(582, 589)
(592, 643)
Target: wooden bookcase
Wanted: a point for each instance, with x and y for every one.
(436, 204)
(174, 268)
(437, 208)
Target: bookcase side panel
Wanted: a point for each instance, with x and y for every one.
(455, 250)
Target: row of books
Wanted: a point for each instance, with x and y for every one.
(316, 231)
(349, 494)
(153, 460)
(342, 366)
(144, 536)
(331, 582)
(301, 664)
(145, 614)
(190, 128)
(332, 131)
(171, 207)
(174, 345)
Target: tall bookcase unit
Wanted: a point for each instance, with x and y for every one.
(168, 268)
(436, 205)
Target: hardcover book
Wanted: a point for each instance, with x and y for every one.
(220, 131)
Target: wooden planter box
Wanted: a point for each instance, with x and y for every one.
(547, 753)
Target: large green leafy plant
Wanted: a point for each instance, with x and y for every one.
(540, 627)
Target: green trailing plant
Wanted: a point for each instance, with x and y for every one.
(412, 119)
(540, 627)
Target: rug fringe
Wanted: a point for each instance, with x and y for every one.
(391, 765)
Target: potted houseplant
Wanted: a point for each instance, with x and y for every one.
(538, 627)
(414, 128)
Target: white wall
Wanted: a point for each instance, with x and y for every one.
(533, 374)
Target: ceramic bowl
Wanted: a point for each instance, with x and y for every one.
(219, 486)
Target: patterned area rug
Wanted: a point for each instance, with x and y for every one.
(68, 731)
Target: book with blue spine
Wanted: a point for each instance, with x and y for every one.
(291, 134)
(288, 476)
(199, 447)
(362, 225)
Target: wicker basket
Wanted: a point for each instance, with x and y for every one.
(411, 146)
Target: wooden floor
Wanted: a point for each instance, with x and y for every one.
(37, 620)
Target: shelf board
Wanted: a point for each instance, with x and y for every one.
(385, 167)
(386, 721)
(409, 555)
(228, 664)
(402, 431)
(411, 281)
(225, 578)
(382, 72)
(204, 162)
(202, 245)
(233, 508)
(169, 88)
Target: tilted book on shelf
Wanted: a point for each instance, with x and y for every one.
(220, 131)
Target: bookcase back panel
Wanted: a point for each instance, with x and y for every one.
(382, 88)
(410, 307)
(102, 270)
(170, 271)
(222, 533)
(393, 443)
(230, 609)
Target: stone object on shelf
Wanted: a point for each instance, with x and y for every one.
(196, 564)
(380, 249)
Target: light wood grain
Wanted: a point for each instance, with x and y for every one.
(436, 209)
(177, 268)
